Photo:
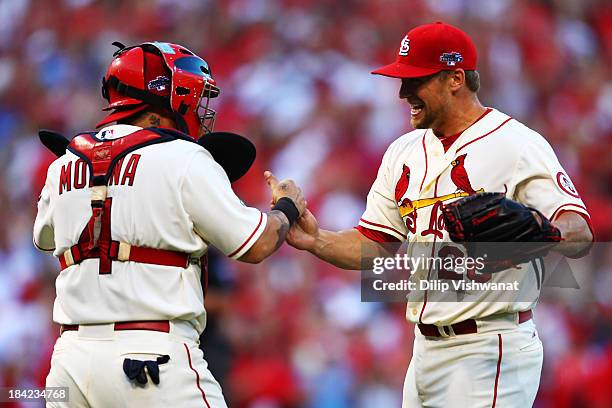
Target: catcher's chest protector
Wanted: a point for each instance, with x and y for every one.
(95, 241)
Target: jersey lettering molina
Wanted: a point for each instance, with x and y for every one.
(171, 196)
(417, 177)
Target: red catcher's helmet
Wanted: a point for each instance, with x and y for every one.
(164, 75)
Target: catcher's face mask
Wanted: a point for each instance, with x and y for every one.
(192, 87)
(137, 76)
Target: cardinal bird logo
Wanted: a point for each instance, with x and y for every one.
(402, 184)
(408, 208)
(459, 176)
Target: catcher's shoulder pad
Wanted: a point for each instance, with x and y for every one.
(54, 141)
(102, 155)
(233, 152)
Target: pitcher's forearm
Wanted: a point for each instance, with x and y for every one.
(343, 249)
(576, 235)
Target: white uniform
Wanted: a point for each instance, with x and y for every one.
(170, 196)
(500, 365)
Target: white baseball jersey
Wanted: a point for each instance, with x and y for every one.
(170, 196)
(495, 154)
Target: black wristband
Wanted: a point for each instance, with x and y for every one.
(287, 207)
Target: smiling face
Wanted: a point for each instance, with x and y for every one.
(429, 98)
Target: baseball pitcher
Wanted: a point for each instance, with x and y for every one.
(481, 175)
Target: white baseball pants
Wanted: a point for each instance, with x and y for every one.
(498, 367)
(90, 363)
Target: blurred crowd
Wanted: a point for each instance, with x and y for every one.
(294, 75)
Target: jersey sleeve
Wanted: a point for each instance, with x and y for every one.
(542, 183)
(218, 215)
(43, 235)
(381, 212)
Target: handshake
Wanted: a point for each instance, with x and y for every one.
(304, 227)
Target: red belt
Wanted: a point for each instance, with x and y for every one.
(465, 327)
(153, 256)
(152, 325)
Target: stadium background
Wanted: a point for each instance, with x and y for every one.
(291, 332)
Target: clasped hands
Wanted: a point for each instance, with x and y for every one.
(304, 231)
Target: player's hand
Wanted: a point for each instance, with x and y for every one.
(303, 234)
(285, 188)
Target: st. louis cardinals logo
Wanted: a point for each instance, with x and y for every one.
(408, 208)
(566, 184)
(404, 47)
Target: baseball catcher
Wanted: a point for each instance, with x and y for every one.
(130, 211)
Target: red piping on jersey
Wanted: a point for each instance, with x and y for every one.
(383, 226)
(448, 141)
(433, 249)
(249, 238)
(376, 236)
(586, 218)
(197, 376)
(485, 135)
(584, 215)
(556, 213)
(486, 112)
(425, 152)
(499, 339)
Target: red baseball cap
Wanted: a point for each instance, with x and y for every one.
(429, 49)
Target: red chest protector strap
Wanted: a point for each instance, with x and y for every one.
(95, 241)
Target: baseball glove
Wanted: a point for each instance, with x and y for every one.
(491, 217)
